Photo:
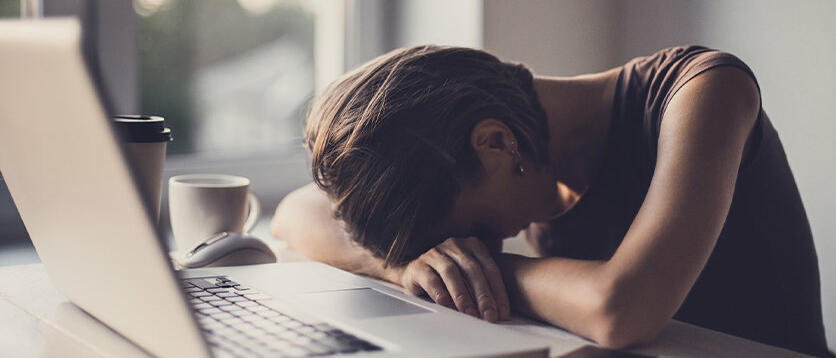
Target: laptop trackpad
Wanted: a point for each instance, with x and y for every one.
(361, 303)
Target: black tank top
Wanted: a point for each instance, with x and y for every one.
(762, 280)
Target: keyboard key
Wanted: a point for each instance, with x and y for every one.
(226, 334)
(268, 313)
(258, 308)
(233, 321)
(317, 335)
(231, 308)
(235, 298)
(246, 303)
(226, 294)
(250, 330)
(252, 318)
(199, 282)
(221, 316)
(212, 325)
(291, 324)
(241, 313)
(199, 293)
(204, 319)
(193, 289)
(324, 327)
(209, 311)
(217, 289)
(220, 303)
(287, 334)
(301, 340)
(263, 324)
(201, 306)
(280, 318)
(277, 344)
(274, 329)
(209, 298)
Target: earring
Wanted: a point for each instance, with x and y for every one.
(520, 169)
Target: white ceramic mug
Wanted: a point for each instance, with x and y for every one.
(202, 205)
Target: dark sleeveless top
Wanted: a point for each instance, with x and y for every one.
(762, 280)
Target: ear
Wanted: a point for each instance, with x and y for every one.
(494, 144)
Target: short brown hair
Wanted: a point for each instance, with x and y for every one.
(390, 141)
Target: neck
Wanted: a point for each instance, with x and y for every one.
(578, 111)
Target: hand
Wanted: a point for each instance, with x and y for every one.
(460, 274)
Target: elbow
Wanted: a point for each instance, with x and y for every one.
(276, 223)
(622, 322)
(613, 333)
(279, 224)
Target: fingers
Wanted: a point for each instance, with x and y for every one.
(449, 272)
(479, 287)
(460, 274)
(494, 278)
(424, 281)
(484, 277)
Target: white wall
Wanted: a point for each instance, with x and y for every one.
(439, 22)
(378, 26)
(791, 46)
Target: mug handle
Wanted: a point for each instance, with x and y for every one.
(254, 212)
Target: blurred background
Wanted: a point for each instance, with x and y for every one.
(234, 78)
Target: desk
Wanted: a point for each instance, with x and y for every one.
(37, 321)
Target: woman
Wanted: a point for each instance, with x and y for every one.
(655, 190)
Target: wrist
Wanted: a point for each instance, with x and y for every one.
(510, 265)
(393, 274)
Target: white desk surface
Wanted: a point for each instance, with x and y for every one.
(37, 321)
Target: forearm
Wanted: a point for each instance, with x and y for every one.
(578, 295)
(564, 292)
(303, 220)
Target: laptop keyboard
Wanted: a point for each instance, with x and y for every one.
(238, 325)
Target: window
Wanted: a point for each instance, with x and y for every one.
(231, 77)
(9, 8)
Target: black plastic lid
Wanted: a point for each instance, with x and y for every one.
(142, 129)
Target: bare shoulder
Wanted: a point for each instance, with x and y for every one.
(723, 96)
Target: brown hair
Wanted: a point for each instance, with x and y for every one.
(390, 141)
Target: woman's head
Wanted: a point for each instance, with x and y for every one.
(392, 145)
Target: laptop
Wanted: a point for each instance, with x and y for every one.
(78, 198)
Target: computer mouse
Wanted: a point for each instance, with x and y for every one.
(228, 249)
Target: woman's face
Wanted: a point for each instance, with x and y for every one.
(502, 202)
(500, 206)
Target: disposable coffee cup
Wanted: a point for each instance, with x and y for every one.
(145, 139)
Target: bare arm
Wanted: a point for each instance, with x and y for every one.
(303, 219)
(632, 296)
